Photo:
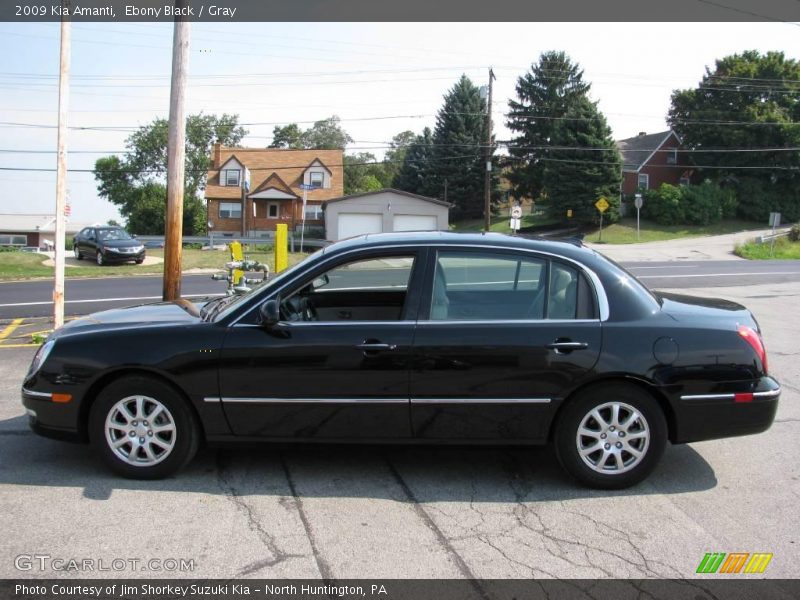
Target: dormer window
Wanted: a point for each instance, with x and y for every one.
(232, 177)
(316, 179)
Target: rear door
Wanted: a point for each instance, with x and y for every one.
(502, 337)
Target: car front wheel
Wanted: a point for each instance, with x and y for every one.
(611, 436)
(143, 428)
(78, 255)
(99, 258)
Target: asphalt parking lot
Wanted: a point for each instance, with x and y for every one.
(412, 512)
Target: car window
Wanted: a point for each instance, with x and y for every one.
(369, 289)
(562, 294)
(487, 286)
(113, 234)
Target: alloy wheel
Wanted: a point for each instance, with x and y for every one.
(140, 430)
(613, 438)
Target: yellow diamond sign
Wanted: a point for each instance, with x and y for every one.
(602, 204)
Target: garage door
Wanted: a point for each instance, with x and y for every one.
(415, 223)
(351, 224)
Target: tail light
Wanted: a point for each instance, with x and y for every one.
(752, 337)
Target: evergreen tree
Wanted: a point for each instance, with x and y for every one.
(545, 94)
(574, 178)
(458, 155)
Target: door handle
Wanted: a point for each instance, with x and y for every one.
(566, 346)
(375, 346)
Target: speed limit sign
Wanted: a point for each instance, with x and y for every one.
(516, 212)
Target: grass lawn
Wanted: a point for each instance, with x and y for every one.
(500, 224)
(20, 265)
(783, 249)
(624, 232)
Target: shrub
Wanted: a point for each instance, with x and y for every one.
(794, 233)
(664, 205)
(689, 204)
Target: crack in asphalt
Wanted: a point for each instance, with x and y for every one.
(253, 524)
(322, 565)
(441, 538)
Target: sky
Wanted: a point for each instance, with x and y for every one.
(379, 78)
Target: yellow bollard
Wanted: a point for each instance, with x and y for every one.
(237, 254)
(281, 247)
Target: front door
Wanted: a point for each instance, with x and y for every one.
(507, 335)
(337, 364)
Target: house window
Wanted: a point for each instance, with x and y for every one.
(273, 210)
(313, 212)
(643, 181)
(672, 157)
(316, 179)
(13, 240)
(685, 180)
(230, 210)
(232, 177)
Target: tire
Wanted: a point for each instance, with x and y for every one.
(591, 457)
(78, 255)
(99, 259)
(158, 447)
(139, 261)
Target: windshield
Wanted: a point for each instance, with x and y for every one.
(224, 306)
(113, 234)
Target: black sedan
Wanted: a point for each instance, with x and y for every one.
(423, 338)
(107, 245)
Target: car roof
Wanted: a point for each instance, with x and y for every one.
(569, 248)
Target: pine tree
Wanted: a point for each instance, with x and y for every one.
(555, 119)
(459, 150)
(575, 178)
(545, 94)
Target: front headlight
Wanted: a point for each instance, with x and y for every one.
(137, 249)
(41, 355)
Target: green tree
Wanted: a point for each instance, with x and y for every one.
(412, 175)
(363, 173)
(458, 156)
(544, 95)
(396, 154)
(135, 183)
(575, 179)
(326, 134)
(748, 101)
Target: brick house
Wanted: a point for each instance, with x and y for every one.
(652, 159)
(275, 196)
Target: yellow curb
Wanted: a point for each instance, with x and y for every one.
(10, 329)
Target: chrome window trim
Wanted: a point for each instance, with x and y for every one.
(481, 400)
(767, 394)
(599, 290)
(28, 392)
(212, 399)
(504, 321)
(231, 400)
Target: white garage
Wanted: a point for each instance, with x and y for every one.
(353, 224)
(383, 211)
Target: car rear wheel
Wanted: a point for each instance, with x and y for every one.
(99, 258)
(611, 436)
(143, 428)
(78, 255)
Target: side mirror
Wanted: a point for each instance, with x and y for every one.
(320, 281)
(269, 313)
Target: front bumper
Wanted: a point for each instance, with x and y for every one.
(52, 419)
(729, 411)
(112, 255)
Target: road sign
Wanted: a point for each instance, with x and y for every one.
(516, 212)
(306, 186)
(569, 213)
(602, 204)
(774, 219)
(637, 202)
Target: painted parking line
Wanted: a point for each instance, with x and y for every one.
(91, 301)
(10, 328)
(717, 274)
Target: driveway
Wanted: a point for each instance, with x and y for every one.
(715, 247)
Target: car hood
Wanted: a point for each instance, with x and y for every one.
(178, 312)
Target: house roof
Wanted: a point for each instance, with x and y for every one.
(274, 182)
(394, 191)
(33, 223)
(289, 165)
(636, 151)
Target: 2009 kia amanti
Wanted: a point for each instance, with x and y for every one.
(418, 337)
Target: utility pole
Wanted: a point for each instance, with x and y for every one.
(61, 170)
(487, 176)
(176, 165)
